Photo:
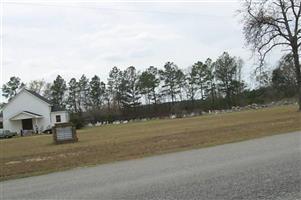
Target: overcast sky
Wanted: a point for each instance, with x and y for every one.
(42, 40)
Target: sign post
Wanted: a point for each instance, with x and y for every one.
(64, 133)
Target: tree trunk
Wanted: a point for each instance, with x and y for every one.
(172, 96)
(108, 104)
(298, 74)
(212, 96)
(154, 95)
(201, 87)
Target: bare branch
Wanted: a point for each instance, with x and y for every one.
(268, 42)
(286, 20)
(293, 8)
(297, 21)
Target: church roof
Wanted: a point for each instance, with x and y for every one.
(39, 96)
(53, 107)
(26, 115)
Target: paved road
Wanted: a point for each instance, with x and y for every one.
(267, 168)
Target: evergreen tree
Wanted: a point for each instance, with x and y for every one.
(84, 93)
(180, 81)
(97, 89)
(58, 90)
(130, 88)
(73, 95)
(148, 83)
(191, 83)
(284, 77)
(201, 73)
(226, 69)
(11, 88)
(169, 77)
(211, 83)
(114, 86)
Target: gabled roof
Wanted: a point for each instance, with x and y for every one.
(26, 115)
(31, 93)
(57, 108)
(31, 113)
(39, 96)
(53, 108)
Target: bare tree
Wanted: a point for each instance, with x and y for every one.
(37, 86)
(274, 23)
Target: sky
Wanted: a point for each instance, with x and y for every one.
(41, 39)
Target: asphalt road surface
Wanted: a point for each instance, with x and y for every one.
(266, 168)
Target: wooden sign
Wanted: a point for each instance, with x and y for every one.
(64, 133)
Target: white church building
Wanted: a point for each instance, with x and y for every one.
(30, 112)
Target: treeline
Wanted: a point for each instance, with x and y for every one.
(130, 94)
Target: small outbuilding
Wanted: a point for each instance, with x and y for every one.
(29, 112)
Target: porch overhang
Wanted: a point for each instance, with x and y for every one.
(26, 115)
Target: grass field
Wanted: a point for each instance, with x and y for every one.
(25, 156)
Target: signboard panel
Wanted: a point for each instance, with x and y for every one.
(64, 133)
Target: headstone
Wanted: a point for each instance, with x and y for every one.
(172, 116)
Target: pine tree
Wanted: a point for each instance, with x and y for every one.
(191, 83)
(201, 72)
(180, 80)
(211, 82)
(148, 83)
(169, 77)
(58, 90)
(114, 86)
(226, 71)
(73, 95)
(10, 89)
(130, 88)
(97, 89)
(84, 93)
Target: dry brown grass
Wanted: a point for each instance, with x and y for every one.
(37, 154)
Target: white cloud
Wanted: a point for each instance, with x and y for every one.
(72, 39)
